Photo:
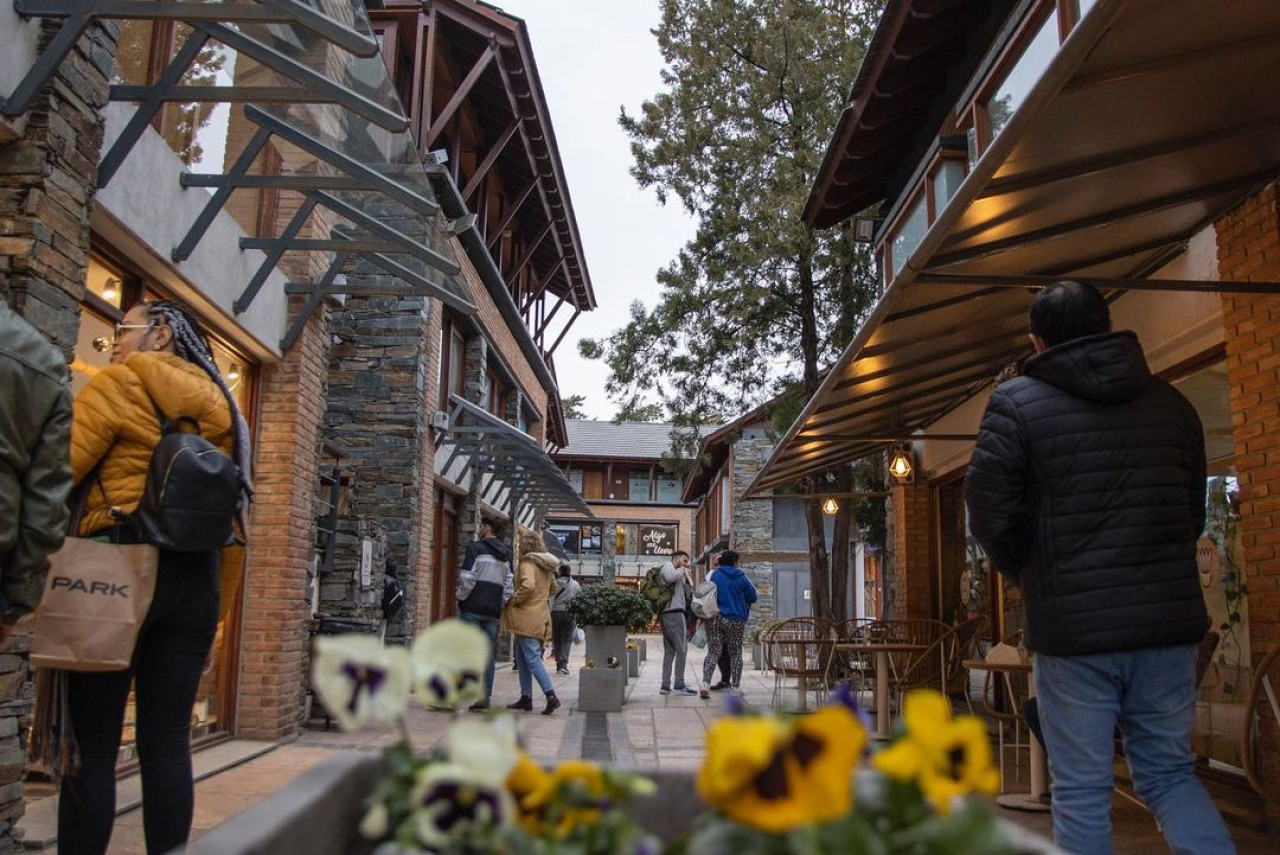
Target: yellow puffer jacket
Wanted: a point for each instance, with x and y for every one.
(115, 424)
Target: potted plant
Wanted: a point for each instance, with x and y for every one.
(768, 785)
(607, 613)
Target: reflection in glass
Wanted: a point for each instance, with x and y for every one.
(909, 234)
(1023, 76)
(946, 181)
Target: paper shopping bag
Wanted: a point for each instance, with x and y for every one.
(95, 599)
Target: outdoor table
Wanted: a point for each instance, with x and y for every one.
(1034, 800)
(802, 682)
(881, 651)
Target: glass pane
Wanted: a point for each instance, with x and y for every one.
(1085, 6)
(1024, 74)
(946, 181)
(639, 485)
(236, 374)
(104, 282)
(909, 234)
(592, 536)
(133, 53)
(93, 349)
(669, 490)
(197, 132)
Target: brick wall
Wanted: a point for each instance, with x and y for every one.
(1249, 249)
(419, 600)
(282, 537)
(47, 181)
(910, 568)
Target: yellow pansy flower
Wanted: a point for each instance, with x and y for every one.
(775, 777)
(944, 757)
(540, 795)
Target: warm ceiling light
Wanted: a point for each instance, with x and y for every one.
(109, 289)
(830, 507)
(233, 373)
(900, 466)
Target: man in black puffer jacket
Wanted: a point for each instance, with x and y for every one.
(1087, 490)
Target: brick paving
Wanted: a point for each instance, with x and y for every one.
(652, 731)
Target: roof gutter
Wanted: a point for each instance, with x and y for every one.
(1083, 38)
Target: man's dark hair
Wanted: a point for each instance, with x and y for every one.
(729, 558)
(565, 569)
(499, 528)
(678, 553)
(1068, 310)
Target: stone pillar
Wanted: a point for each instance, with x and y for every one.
(751, 529)
(48, 174)
(282, 537)
(910, 568)
(1249, 249)
(377, 411)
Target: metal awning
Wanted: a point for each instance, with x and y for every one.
(1154, 118)
(506, 466)
(316, 95)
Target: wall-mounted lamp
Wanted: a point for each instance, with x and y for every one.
(111, 289)
(830, 507)
(233, 373)
(102, 344)
(864, 229)
(901, 469)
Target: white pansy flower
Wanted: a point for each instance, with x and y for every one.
(449, 661)
(376, 822)
(450, 800)
(487, 747)
(359, 680)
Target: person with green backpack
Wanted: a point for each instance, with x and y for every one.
(671, 609)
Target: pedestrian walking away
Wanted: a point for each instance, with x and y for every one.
(673, 618)
(1087, 490)
(161, 360)
(484, 587)
(35, 468)
(562, 625)
(528, 616)
(734, 594)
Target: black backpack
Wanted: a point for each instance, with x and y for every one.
(192, 493)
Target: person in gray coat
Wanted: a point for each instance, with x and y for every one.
(35, 464)
(675, 643)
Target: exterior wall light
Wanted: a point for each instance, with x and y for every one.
(900, 465)
(830, 507)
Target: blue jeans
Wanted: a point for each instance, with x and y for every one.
(490, 627)
(1151, 695)
(529, 664)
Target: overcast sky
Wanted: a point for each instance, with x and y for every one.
(594, 57)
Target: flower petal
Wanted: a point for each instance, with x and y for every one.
(359, 680)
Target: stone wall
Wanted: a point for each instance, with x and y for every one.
(376, 411)
(47, 181)
(751, 521)
(1249, 249)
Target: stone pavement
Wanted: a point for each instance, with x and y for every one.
(652, 731)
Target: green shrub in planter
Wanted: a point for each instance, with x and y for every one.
(605, 604)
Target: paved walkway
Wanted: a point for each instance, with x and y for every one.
(653, 730)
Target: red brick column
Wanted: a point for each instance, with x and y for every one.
(1249, 249)
(912, 526)
(281, 539)
(425, 568)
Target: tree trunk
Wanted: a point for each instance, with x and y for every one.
(840, 547)
(819, 565)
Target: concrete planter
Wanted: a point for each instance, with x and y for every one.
(606, 641)
(318, 813)
(757, 656)
(601, 689)
(644, 648)
(633, 663)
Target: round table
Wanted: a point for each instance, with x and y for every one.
(880, 650)
(1036, 800)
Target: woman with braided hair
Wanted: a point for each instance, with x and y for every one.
(161, 365)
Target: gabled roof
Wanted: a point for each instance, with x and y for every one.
(629, 440)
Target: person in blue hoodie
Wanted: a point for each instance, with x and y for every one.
(734, 596)
(484, 586)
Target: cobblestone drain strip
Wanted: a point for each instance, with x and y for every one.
(595, 738)
(571, 741)
(619, 741)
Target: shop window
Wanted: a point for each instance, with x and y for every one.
(1013, 89)
(670, 490)
(576, 539)
(645, 539)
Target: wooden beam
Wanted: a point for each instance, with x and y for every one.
(563, 332)
(1210, 286)
(511, 213)
(558, 267)
(547, 320)
(983, 345)
(460, 95)
(855, 407)
(938, 305)
(429, 77)
(529, 251)
(489, 160)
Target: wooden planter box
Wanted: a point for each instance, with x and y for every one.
(319, 812)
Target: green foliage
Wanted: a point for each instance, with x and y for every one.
(636, 411)
(572, 406)
(605, 604)
(756, 300)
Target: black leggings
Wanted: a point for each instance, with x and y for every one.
(167, 665)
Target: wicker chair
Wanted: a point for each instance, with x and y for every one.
(964, 646)
(858, 668)
(800, 649)
(917, 668)
(1263, 711)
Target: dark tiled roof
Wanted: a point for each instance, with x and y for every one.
(605, 439)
